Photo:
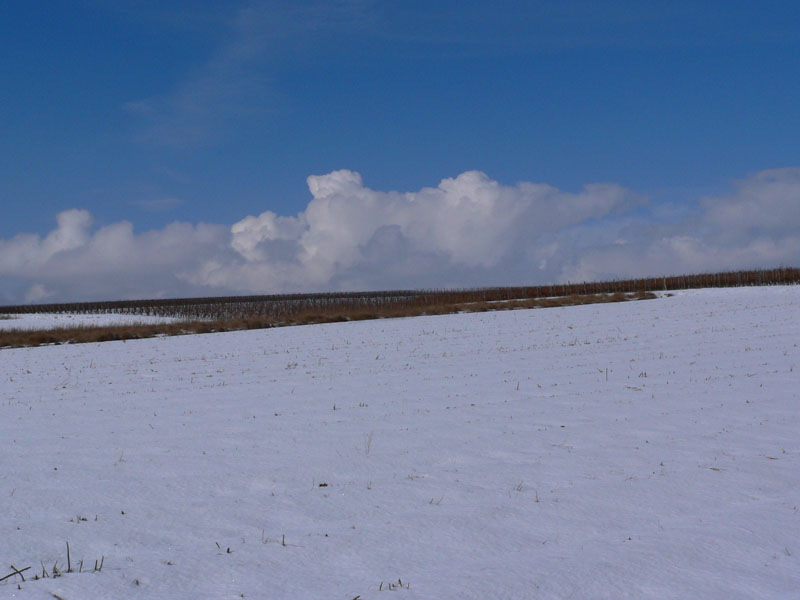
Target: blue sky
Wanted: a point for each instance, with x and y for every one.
(152, 113)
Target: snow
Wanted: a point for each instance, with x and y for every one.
(634, 450)
(63, 320)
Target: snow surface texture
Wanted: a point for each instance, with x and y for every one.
(60, 320)
(470, 456)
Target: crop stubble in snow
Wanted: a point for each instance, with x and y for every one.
(634, 450)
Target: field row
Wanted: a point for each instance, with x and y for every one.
(335, 305)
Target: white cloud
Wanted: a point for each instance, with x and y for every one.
(469, 230)
(756, 226)
(27, 252)
(74, 262)
(768, 203)
(469, 222)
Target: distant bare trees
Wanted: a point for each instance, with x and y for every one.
(286, 306)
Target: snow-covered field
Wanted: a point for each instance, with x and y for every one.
(635, 450)
(56, 320)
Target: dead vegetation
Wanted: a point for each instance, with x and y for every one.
(55, 570)
(16, 338)
(286, 306)
(235, 313)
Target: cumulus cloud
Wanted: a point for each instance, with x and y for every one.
(765, 204)
(469, 223)
(75, 262)
(29, 252)
(470, 230)
(756, 226)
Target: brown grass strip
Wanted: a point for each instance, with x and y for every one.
(19, 338)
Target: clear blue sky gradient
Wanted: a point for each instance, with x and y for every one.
(209, 111)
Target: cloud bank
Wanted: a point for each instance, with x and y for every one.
(470, 230)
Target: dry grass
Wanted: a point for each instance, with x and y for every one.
(17, 338)
(235, 313)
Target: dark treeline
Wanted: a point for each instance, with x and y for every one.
(286, 305)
